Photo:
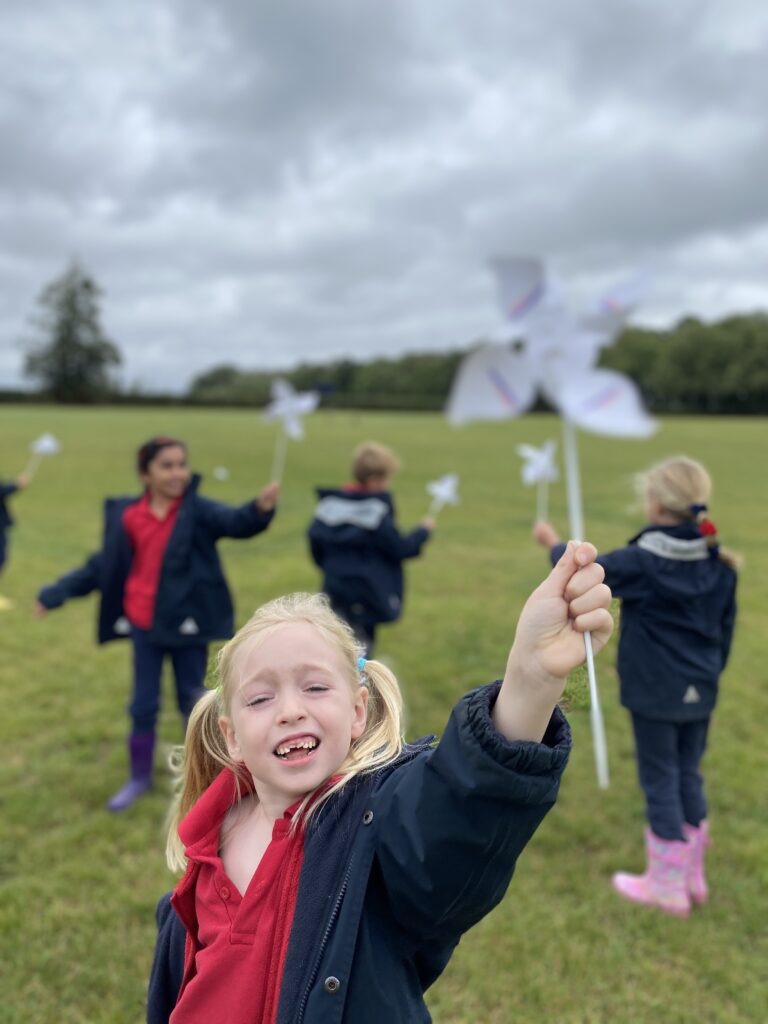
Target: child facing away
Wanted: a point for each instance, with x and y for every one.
(7, 488)
(331, 869)
(162, 586)
(354, 540)
(678, 607)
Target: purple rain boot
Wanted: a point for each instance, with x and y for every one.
(141, 750)
(664, 883)
(698, 840)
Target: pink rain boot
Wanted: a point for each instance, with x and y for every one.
(664, 884)
(698, 840)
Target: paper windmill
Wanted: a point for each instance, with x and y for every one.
(444, 491)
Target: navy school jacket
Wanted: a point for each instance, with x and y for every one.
(397, 866)
(193, 604)
(355, 542)
(678, 608)
(6, 490)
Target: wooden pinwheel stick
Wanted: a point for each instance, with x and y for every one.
(576, 518)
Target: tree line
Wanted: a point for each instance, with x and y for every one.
(694, 367)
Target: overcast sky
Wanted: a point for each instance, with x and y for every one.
(262, 183)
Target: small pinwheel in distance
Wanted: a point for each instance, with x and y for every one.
(288, 406)
(444, 491)
(539, 468)
(42, 447)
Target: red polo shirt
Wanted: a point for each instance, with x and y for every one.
(149, 536)
(236, 945)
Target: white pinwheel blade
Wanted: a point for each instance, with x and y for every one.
(281, 388)
(492, 383)
(609, 313)
(604, 402)
(293, 426)
(520, 284)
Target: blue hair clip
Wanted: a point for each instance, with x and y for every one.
(361, 663)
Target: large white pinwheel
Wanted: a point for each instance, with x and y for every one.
(543, 348)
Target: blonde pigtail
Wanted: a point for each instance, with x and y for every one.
(195, 766)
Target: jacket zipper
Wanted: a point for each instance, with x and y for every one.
(324, 943)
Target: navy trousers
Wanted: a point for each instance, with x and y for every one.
(668, 759)
(189, 667)
(363, 626)
(3, 548)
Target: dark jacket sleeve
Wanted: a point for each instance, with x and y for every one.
(452, 824)
(624, 572)
(78, 583)
(729, 620)
(316, 546)
(225, 521)
(398, 546)
(7, 489)
(168, 964)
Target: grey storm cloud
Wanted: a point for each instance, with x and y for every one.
(266, 183)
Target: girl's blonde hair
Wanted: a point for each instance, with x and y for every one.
(682, 486)
(205, 753)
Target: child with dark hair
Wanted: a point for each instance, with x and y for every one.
(6, 521)
(355, 541)
(162, 586)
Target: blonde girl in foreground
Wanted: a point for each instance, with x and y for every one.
(331, 869)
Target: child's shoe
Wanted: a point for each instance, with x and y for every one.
(142, 751)
(698, 840)
(664, 883)
(5, 604)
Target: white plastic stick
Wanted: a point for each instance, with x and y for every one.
(33, 464)
(278, 460)
(572, 481)
(576, 517)
(435, 507)
(542, 510)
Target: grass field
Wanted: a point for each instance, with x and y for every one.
(78, 886)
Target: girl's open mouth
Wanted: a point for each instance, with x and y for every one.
(298, 749)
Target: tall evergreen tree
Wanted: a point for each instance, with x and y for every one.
(73, 356)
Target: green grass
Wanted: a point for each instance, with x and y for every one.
(78, 886)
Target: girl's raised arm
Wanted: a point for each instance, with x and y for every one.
(549, 642)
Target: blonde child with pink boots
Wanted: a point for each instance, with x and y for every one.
(677, 589)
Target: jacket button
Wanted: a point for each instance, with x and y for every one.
(224, 892)
(332, 985)
(368, 817)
